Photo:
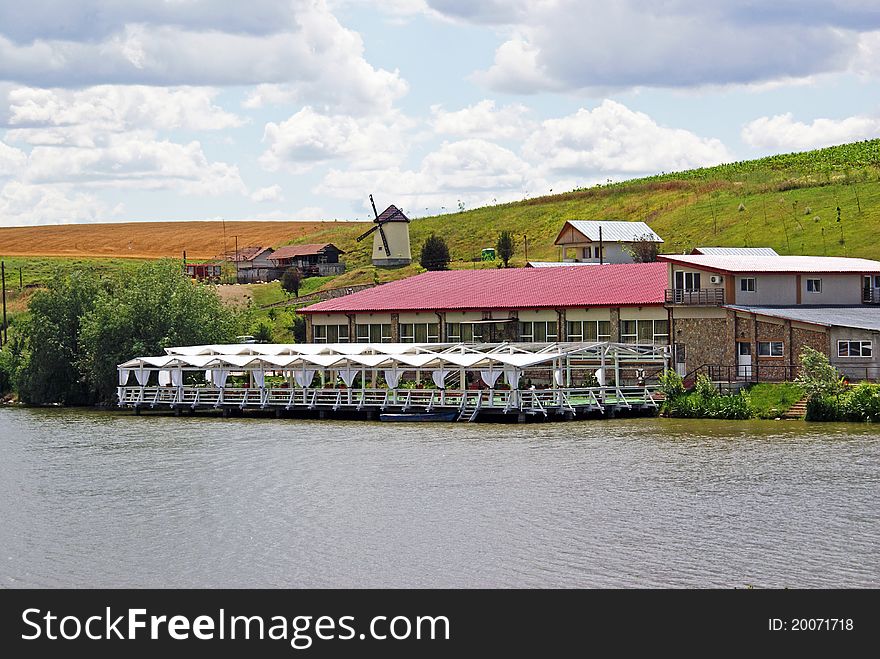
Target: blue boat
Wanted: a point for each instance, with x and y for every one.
(420, 416)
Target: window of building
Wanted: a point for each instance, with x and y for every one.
(419, 332)
(374, 333)
(589, 330)
(330, 333)
(814, 285)
(539, 331)
(770, 349)
(687, 281)
(747, 285)
(644, 331)
(464, 332)
(588, 253)
(855, 348)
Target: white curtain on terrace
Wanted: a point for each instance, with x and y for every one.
(304, 377)
(123, 376)
(490, 377)
(177, 377)
(392, 377)
(439, 377)
(259, 378)
(559, 376)
(348, 375)
(164, 377)
(511, 376)
(142, 375)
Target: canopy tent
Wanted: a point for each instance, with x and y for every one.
(302, 362)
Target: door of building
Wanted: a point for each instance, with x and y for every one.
(744, 360)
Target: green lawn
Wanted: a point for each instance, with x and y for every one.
(769, 401)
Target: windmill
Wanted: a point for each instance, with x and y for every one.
(390, 237)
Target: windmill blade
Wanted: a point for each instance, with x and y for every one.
(367, 232)
(384, 239)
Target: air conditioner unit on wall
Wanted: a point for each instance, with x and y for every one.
(716, 279)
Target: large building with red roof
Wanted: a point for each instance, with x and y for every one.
(734, 316)
(603, 302)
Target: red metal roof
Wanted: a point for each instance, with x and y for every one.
(630, 284)
(300, 250)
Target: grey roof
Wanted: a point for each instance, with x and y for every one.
(555, 264)
(860, 317)
(614, 230)
(735, 251)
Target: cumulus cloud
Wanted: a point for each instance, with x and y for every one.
(116, 108)
(593, 44)
(782, 133)
(612, 139)
(310, 138)
(579, 149)
(483, 120)
(24, 204)
(11, 159)
(270, 193)
(473, 172)
(284, 42)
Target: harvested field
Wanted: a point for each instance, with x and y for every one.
(149, 240)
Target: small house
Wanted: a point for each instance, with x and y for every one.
(210, 272)
(252, 264)
(312, 260)
(602, 241)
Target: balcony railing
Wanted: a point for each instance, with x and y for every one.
(704, 296)
(871, 295)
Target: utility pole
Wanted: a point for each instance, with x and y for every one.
(20, 281)
(526, 243)
(236, 259)
(601, 249)
(225, 253)
(3, 277)
(184, 262)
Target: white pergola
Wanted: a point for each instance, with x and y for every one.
(300, 362)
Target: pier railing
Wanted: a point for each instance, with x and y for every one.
(536, 401)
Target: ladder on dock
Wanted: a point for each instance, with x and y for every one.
(468, 410)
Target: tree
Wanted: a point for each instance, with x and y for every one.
(263, 333)
(644, 249)
(291, 281)
(505, 247)
(142, 313)
(49, 372)
(818, 377)
(435, 254)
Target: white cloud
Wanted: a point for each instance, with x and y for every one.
(782, 133)
(612, 139)
(11, 160)
(309, 138)
(23, 204)
(301, 46)
(270, 193)
(116, 108)
(309, 213)
(579, 149)
(473, 172)
(134, 161)
(595, 44)
(484, 120)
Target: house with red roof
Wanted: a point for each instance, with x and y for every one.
(602, 303)
(313, 259)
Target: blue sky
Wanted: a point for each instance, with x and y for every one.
(299, 109)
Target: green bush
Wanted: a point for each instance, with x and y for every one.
(861, 403)
(714, 406)
(670, 384)
(823, 408)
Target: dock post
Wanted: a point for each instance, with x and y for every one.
(521, 417)
(137, 410)
(277, 412)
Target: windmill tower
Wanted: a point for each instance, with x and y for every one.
(390, 237)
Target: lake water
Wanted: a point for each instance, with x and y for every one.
(91, 499)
